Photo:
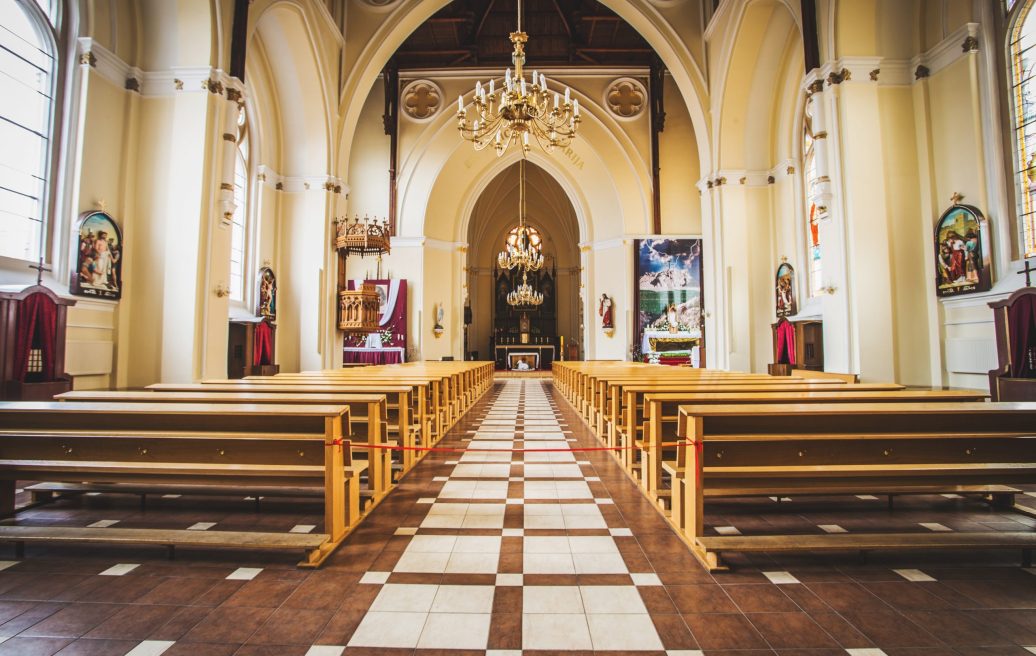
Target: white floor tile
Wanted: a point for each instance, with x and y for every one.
(645, 579)
(684, 652)
(831, 528)
(325, 650)
(914, 575)
(513, 532)
(623, 633)
(552, 599)
(540, 563)
(104, 523)
(936, 526)
(543, 521)
(405, 530)
(481, 544)
(555, 631)
(4, 564)
(455, 631)
(464, 599)
(727, 530)
(503, 652)
(171, 496)
(431, 544)
(620, 532)
(592, 544)
(401, 630)
(472, 563)
(201, 526)
(554, 544)
(244, 573)
(482, 521)
(120, 570)
(604, 502)
(150, 648)
(599, 563)
(867, 497)
(426, 500)
(374, 578)
(780, 578)
(305, 528)
(510, 580)
(516, 502)
(611, 599)
(404, 598)
(869, 651)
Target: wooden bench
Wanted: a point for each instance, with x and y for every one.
(366, 424)
(237, 445)
(845, 448)
(661, 413)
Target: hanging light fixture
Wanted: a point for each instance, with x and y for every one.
(523, 110)
(523, 253)
(524, 294)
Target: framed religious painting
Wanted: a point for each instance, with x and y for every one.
(98, 261)
(668, 288)
(784, 290)
(962, 262)
(266, 294)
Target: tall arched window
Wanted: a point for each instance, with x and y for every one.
(239, 222)
(26, 121)
(809, 174)
(1023, 88)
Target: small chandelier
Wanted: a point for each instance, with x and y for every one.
(522, 254)
(524, 294)
(520, 109)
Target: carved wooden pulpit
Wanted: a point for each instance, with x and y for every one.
(1014, 379)
(32, 343)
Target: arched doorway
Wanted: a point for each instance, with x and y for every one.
(550, 212)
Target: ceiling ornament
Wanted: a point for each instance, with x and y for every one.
(422, 99)
(521, 111)
(626, 97)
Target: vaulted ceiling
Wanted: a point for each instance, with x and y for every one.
(475, 33)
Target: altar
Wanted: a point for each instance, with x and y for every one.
(537, 356)
(669, 347)
(365, 355)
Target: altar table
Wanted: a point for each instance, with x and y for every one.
(363, 355)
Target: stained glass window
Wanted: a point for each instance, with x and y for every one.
(238, 227)
(1023, 38)
(26, 104)
(814, 254)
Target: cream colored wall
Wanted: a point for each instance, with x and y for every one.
(679, 167)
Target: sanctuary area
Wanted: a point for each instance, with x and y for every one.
(504, 327)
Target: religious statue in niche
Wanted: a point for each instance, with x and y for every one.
(98, 271)
(437, 329)
(266, 295)
(607, 313)
(962, 251)
(785, 291)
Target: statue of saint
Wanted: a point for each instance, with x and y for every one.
(606, 312)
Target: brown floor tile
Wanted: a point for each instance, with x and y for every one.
(133, 622)
(701, 598)
(32, 646)
(786, 630)
(228, 625)
(72, 621)
(673, 632)
(724, 631)
(261, 593)
(762, 598)
(289, 626)
(891, 629)
(85, 647)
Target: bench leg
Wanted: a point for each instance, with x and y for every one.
(352, 500)
(19, 550)
(7, 489)
(170, 551)
(1026, 558)
(677, 502)
(1003, 500)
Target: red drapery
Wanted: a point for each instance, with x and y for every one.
(373, 356)
(37, 314)
(262, 345)
(785, 343)
(1021, 323)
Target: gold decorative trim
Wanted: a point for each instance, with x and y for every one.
(770, 179)
(233, 95)
(843, 75)
(229, 137)
(744, 179)
(261, 177)
(823, 178)
(88, 59)
(970, 44)
(213, 86)
(279, 186)
(820, 135)
(922, 72)
(226, 186)
(709, 184)
(791, 170)
(874, 74)
(816, 87)
(329, 186)
(178, 84)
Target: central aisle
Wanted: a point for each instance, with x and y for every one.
(532, 550)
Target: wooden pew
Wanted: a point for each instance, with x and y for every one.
(850, 448)
(368, 409)
(237, 445)
(661, 413)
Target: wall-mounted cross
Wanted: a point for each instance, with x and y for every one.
(39, 270)
(1027, 272)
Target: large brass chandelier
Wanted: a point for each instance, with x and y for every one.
(522, 110)
(522, 254)
(524, 294)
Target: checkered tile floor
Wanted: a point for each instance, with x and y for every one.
(490, 552)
